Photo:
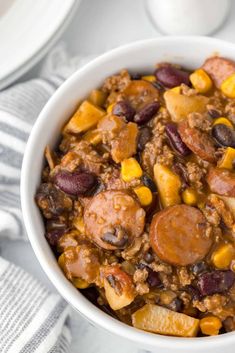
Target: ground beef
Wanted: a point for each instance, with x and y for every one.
(187, 91)
(185, 277)
(222, 211)
(139, 278)
(117, 82)
(196, 175)
(200, 121)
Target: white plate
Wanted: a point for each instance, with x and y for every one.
(28, 28)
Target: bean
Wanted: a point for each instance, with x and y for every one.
(175, 140)
(145, 135)
(199, 268)
(54, 235)
(193, 291)
(176, 305)
(153, 278)
(77, 184)
(136, 76)
(149, 183)
(148, 257)
(171, 77)
(180, 169)
(117, 237)
(215, 282)
(146, 113)
(214, 113)
(223, 135)
(123, 108)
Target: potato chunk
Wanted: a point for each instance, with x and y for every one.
(86, 117)
(179, 106)
(154, 318)
(168, 184)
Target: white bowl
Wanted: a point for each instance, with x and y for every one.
(137, 57)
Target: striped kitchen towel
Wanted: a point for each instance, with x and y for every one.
(32, 319)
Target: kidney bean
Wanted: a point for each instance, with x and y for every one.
(146, 113)
(223, 135)
(145, 135)
(148, 257)
(77, 184)
(153, 278)
(215, 282)
(175, 140)
(193, 291)
(171, 77)
(149, 182)
(123, 108)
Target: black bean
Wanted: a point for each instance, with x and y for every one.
(54, 235)
(176, 305)
(147, 181)
(175, 140)
(158, 85)
(199, 268)
(214, 113)
(171, 77)
(148, 257)
(215, 282)
(77, 184)
(144, 136)
(136, 76)
(193, 291)
(223, 135)
(123, 108)
(146, 113)
(117, 236)
(153, 278)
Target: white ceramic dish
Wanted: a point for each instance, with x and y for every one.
(27, 31)
(140, 56)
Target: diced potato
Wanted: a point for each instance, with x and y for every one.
(228, 87)
(157, 319)
(210, 325)
(93, 136)
(176, 89)
(168, 184)
(228, 159)
(86, 117)
(124, 145)
(179, 105)
(144, 195)
(110, 108)
(223, 256)
(201, 81)
(223, 121)
(97, 97)
(118, 286)
(130, 169)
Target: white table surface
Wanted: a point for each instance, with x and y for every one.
(98, 26)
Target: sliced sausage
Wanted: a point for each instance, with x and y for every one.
(219, 69)
(113, 218)
(221, 181)
(197, 141)
(178, 235)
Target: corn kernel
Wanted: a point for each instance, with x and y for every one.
(223, 121)
(228, 159)
(201, 81)
(210, 325)
(80, 283)
(150, 78)
(144, 195)
(223, 256)
(190, 197)
(93, 137)
(130, 169)
(110, 108)
(228, 87)
(176, 89)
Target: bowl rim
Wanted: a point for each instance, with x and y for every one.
(66, 289)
